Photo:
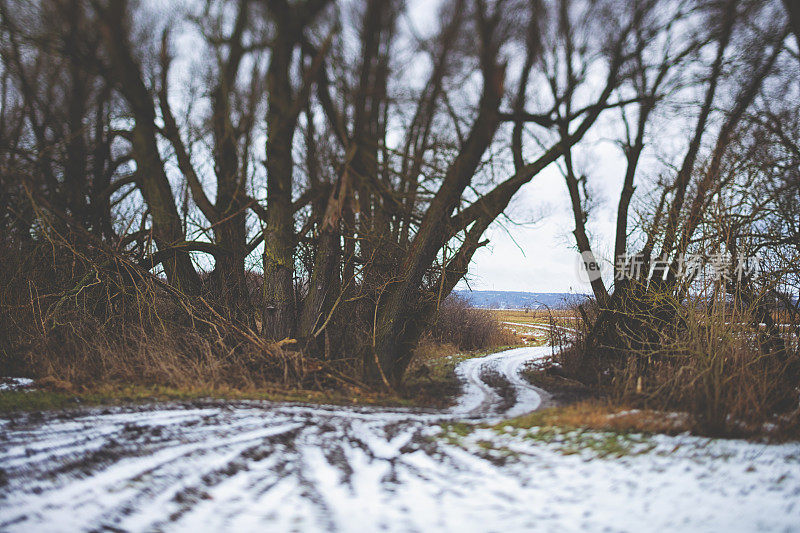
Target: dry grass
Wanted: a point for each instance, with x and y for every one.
(150, 369)
(468, 328)
(179, 357)
(563, 317)
(430, 351)
(80, 320)
(93, 327)
(703, 361)
(608, 416)
(717, 370)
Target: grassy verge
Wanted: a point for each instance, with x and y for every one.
(431, 383)
(571, 441)
(605, 428)
(603, 415)
(432, 380)
(40, 400)
(577, 429)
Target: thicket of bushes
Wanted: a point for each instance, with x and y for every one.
(467, 327)
(88, 317)
(712, 361)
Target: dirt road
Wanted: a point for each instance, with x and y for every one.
(256, 466)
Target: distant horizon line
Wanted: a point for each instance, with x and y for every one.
(524, 291)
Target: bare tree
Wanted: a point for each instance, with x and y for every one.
(362, 159)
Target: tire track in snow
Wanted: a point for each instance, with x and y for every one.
(256, 466)
(157, 467)
(482, 401)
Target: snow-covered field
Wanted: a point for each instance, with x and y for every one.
(255, 466)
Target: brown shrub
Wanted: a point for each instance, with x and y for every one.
(467, 327)
(89, 320)
(706, 362)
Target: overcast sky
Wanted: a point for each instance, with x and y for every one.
(541, 257)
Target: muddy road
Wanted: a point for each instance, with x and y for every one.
(258, 466)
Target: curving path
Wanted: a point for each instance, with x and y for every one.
(259, 466)
(218, 466)
(493, 388)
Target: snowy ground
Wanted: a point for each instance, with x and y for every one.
(15, 383)
(540, 327)
(255, 466)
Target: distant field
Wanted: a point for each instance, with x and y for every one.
(572, 319)
(521, 316)
(515, 320)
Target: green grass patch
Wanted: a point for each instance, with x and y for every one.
(572, 441)
(601, 444)
(599, 427)
(41, 400)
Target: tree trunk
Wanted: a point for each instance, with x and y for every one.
(279, 310)
(151, 177)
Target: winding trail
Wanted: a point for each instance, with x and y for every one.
(236, 465)
(260, 466)
(493, 388)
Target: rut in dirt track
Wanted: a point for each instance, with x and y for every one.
(214, 465)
